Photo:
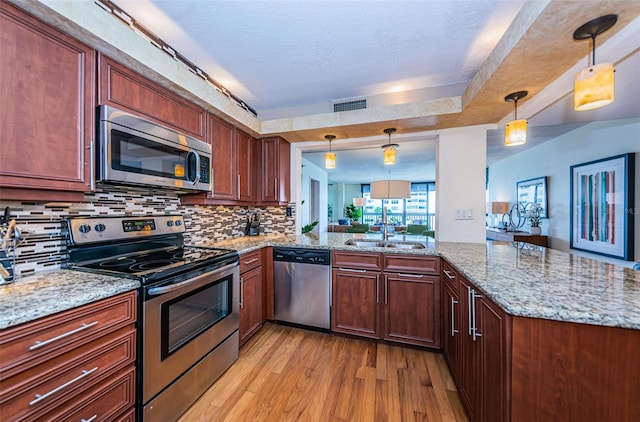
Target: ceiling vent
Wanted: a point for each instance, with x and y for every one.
(349, 105)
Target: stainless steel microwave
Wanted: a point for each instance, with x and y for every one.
(135, 151)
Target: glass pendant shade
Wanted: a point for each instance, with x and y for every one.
(390, 155)
(515, 133)
(593, 87)
(330, 160)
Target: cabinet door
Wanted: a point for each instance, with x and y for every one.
(270, 160)
(250, 303)
(356, 295)
(127, 90)
(47, 107)
(411, 309)
(284, 172)
(452, 330)
(222, 137)
(469, 364)
(245, 160)
(491, 322)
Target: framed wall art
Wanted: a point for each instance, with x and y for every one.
(534, 191)
(602, 204)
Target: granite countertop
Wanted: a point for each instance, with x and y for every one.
(525, 280)
(50, 292)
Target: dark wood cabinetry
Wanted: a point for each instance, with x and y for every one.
(251, 281)
(234, 174)
(275, 175)
(372, 300)
(452, 329)
(483, 381)
(47, 86)
(128, 91)
(78, 363)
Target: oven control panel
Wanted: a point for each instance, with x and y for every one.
(101, 229)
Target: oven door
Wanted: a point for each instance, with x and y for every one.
(183, 322)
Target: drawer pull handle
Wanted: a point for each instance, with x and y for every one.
(39, 344)
(91, 419)
(349, 270)
(251, 261)
(410, 275)
(449, 275)
(39, 398)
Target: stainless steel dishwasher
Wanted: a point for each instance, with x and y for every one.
(302, 286)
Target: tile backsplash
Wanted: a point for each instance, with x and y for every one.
(42, 246)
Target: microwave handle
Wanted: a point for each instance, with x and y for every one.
(197, 178)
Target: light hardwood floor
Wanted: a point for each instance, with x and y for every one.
(290, 374)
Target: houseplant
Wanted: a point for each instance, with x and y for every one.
(352, 212)
(534, 220)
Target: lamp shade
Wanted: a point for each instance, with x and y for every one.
(515, 133)
(593, 87)
(330, 160)
(389, 155)
(499, 207)
(359, 202)
(391, 189)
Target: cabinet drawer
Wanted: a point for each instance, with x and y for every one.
(412, 264)
(449, 275)
(44, 387)
(250, 260)
(105, 402)
(364, 260)
(30, 344)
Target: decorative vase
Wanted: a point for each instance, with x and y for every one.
(535, 230)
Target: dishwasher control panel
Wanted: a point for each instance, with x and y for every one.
(302, 256)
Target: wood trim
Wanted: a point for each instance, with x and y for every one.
(268, 304)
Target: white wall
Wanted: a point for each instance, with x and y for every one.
(460, 183)
(553, 158)
(311, 171)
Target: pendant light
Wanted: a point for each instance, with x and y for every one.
(593, 87)
(389, 148)
(516, 131)
(330, 157)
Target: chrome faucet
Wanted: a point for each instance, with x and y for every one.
(385, 235)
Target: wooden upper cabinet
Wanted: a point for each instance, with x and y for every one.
(124, 89)
(222, 137)
(47, 106)
(246, 162)
(276, 172)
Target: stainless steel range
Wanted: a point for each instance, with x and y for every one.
(188, 333)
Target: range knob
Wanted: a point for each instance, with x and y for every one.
(170, 223)
(85, 228)
(178, 222)
(100, 227)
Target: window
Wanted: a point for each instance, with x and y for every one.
(419, 209)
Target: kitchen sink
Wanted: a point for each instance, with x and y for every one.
(406, 245)
(380, 244)
(365, 243)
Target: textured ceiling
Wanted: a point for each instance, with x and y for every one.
(423, 65)
(282, 54)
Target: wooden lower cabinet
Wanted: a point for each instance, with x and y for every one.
(251, 297)
(355, 302)
(411, 313)
(371, 298)
(452, 330)
(483, 378)
(79, 362)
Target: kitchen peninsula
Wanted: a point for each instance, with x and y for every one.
(571, 326)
